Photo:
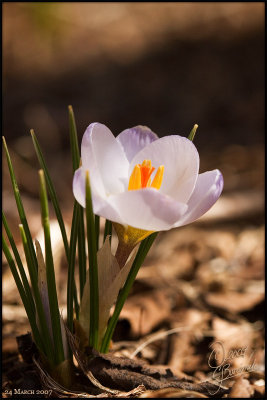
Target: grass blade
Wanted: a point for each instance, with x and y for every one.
(20, 208)
(76, 303)
(93, 269)
(54, 199)
(50, 274)
(123, 294)
(51, 191)
(81, 249)
(97, 228)
(193, 132)
(75, 154)
(19, 264)
(71, 282)
(27, 305)
(74, 140)
(108, 230)
(48, 345)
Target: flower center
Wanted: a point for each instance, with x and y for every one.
(141, 176)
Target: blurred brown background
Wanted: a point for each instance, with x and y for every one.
(164, 65)
(167, 66)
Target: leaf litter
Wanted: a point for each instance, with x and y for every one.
(173, 319)
(200, 285)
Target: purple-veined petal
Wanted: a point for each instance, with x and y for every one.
(207, 191)
(181, 164)
(103, 156)
(135, 139)
(146, 209)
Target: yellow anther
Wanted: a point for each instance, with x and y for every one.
(157, 181)
(135, 178)
(141, 176)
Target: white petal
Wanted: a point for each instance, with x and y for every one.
(134, 139)
(146, 209)
(78, 185)
(181, 164)
(100, 204)
(207, 191)
(105, 158)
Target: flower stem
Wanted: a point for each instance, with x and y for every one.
(122, 253)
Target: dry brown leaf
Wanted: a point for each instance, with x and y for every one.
(259, 387)
(241, 389)
(233, 301)
(235, 343)
(145, 312)
(183, 357)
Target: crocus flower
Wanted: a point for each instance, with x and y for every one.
(144, 183)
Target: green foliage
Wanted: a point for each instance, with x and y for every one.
(48, 335)
(93, 268)
(193, 132)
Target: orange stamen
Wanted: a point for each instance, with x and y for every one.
(146, 171)
(141, 176)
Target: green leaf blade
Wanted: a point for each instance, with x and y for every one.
(75, 154)
(24, 297)
(48, 344)
(74, 140)
(54, 199)
(19, 264)
(52, 192)
(93, 268)
(192, 133)
(71, 282)
(50, 273)
(107, 230)
(20, 208)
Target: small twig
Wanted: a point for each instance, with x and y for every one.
(50, 383)
(158, 336)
